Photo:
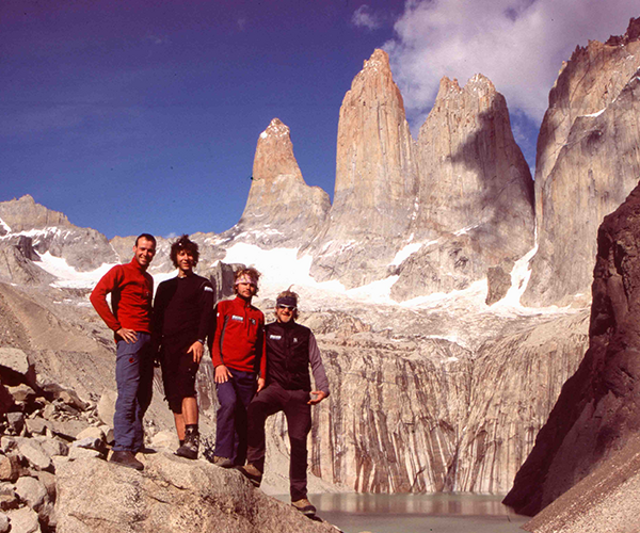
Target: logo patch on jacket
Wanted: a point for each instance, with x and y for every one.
(253, 321)
(237, 318)
(295, 339)
(275, 337)
(208, 289)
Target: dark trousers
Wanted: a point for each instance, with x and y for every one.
(134, 378)
(267, 402)
(234, 397)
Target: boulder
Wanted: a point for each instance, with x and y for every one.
(171, 494)
(34, 453)
(10, 468)
(14, 359)
(107, 407)
(5, 525)
(24, 520)
(32, 492)
(22, 393)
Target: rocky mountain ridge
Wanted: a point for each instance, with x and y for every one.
(588, 161)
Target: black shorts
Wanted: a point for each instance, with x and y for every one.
(178, 374)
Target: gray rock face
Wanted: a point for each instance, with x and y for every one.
(16, 264)
(499, 283)
(414, 414)
(83, 248)
(588, 162)
(598, 411)
(376, 179)
(172, 494)
(281, 207)
(475, 201)
(24, 213)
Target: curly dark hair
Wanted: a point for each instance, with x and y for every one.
(184, 243)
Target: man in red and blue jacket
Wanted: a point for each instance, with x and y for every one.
(237, 353)
(131, 289)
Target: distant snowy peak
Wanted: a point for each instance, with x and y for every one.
(50, 231)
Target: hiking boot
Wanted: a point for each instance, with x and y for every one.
(191, 444)
(305, 507)
(251, 473)
(222, 462)
(126, 458)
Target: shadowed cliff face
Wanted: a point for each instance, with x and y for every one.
(475, 202)
(599, 408)
(588, 161)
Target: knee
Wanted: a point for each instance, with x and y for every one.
(227, 404)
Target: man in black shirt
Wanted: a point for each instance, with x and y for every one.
(183, 310)
(290, 349)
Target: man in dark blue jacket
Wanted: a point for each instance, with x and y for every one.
(290, 349)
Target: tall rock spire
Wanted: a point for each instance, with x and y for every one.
(281, 206)
(588, 162)
(375, 180)
(475, 200)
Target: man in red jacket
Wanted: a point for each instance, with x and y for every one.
(131, 289)
(237, 355)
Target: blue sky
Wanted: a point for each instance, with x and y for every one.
(144, 115)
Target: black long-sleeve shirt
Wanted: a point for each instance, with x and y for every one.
(183, 310)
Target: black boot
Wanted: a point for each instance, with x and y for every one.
(191, 443)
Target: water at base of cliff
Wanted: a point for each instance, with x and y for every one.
(417, 513)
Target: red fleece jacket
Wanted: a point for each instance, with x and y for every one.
(131, 291)
(239, 338)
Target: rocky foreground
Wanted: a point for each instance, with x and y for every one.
(54, 475)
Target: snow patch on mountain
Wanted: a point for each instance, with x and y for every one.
(280, 267)
(5, 226)
(69, 277)
(35, 234)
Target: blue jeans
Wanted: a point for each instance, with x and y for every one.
(234, 397)
(134, 378)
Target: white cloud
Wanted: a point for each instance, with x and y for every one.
(363, 17)
(518, 44)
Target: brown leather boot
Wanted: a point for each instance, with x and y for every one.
(126, 458)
